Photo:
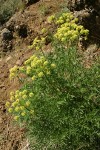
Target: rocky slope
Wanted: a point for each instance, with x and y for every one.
(16, 35)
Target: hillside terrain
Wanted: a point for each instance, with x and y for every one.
(17, 33)
(33, 18)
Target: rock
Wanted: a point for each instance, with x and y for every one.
(19, 62)
(88, 12)
(82, 14)
(76, 4)
(83, 4)
(29, 2)
(6, 39)
(21, 30)
(91, 49)
(10, 25)
(6, 34)
(8, 58)
(6, 45)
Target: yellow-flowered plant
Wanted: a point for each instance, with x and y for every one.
(38, 43)
(20, 104)
(44, 30)
(36, 67)
(51, 18)
(13, 72)
(58, 100)
(68, 30)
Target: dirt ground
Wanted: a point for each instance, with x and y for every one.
(12, 137)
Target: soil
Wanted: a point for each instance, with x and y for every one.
(12, 137)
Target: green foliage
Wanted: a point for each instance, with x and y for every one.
(44, 10)
(8, 8)
(66, 104)
(59, 99)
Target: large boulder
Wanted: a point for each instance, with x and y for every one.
(6, 40)
(88, 12)
(82, 4)
(6, 35)
(29, 2)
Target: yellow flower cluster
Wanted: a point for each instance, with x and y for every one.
(38, 43)
(34, 67)
(44, 30)
(20, 101)
(13, 72)
(51, 18)
(65, 17)
(20, 104)
(37, 67)
(69, 30)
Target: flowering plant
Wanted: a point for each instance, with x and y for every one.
(59, 99)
